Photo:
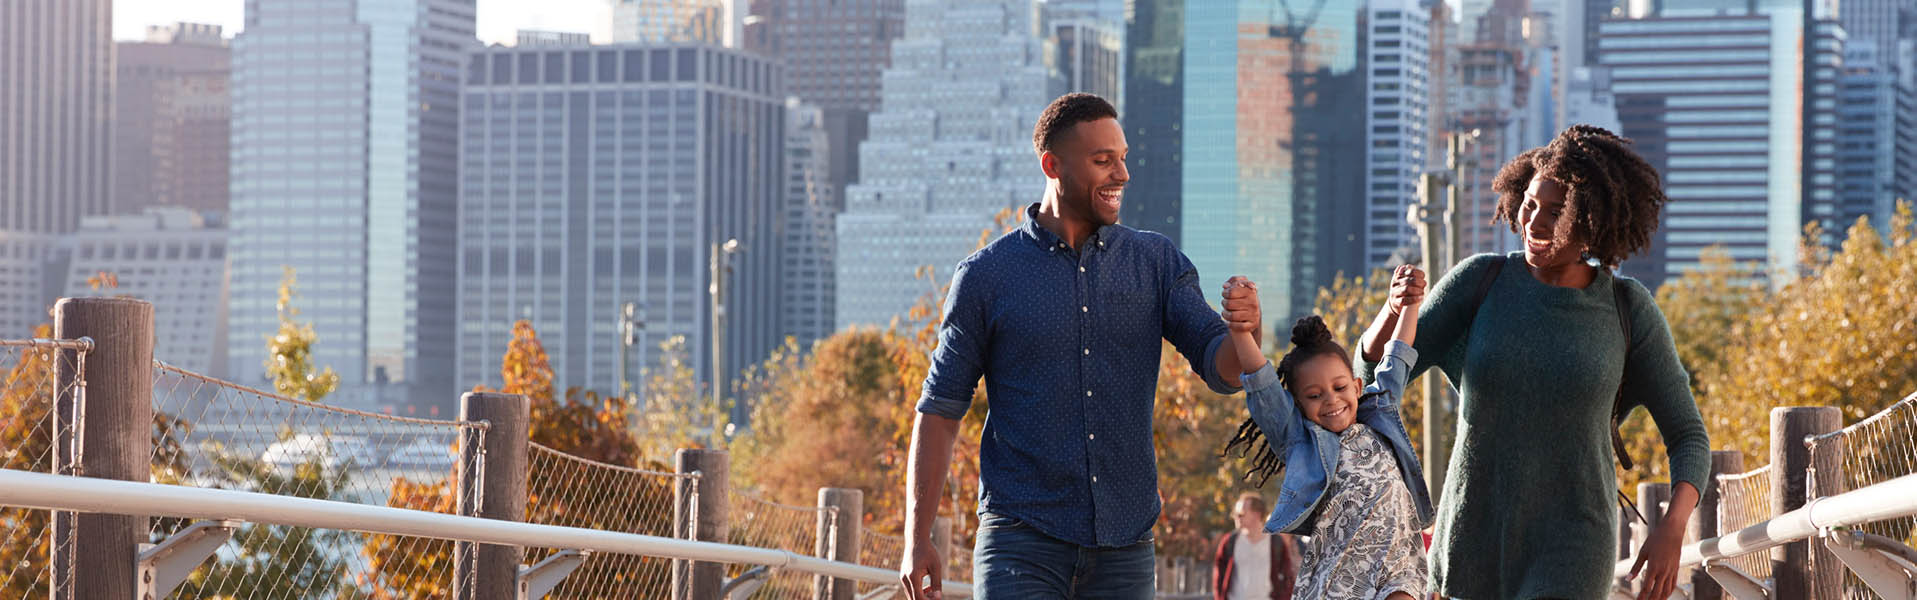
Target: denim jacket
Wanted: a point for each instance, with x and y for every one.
(1310, 453)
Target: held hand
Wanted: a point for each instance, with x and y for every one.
(1407, 288)
(1657, 561)
(919, 563)
(1240, 306)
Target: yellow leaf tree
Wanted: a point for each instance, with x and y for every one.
(1837, 333)
(289, 351)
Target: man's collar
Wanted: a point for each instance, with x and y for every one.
(1044, 238)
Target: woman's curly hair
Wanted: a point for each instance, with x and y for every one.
(1310, 338)
(1612, 195)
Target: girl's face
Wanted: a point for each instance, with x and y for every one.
(1548, 239)
(1326, 392)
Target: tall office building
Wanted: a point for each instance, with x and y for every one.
(807, 287)
(836, 52)
(1273, 177)
(1880, 23)
(540, 37)
(344, 167)
(24, 289)
(596, 176)
(1398, 107)
(172, 257)
(951, 147)
(1490, 121)
(1720, 105)
(670, 21)
(172, 114)
(1087, 54)
(1873, 114)
(56, 61)
(1154, 109)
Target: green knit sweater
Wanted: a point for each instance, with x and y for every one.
(1529, 507)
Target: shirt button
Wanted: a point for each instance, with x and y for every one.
(1084, 309)
(1091, 436)
(1081, 269)
(1088, 393)
(1088, 351)
(1094, 479)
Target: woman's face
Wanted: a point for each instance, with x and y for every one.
(1326, 392)
(1548, 239)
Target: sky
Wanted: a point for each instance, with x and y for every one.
(498, 19)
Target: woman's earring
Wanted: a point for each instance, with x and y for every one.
(1591, 260)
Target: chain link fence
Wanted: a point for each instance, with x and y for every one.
(762, 523)
(215, 434)
(1746, 501)
(570, 491)
(30, 426)
(1879, 448)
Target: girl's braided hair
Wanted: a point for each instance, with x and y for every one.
(1613, 196)
(1310, 338)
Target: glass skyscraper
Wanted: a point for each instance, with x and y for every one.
(1272, 149)
(1154, 109)
(594, 176)
(344, 151)
(951, 147)
(1721, 105)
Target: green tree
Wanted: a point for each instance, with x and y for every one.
(278, 561)
(289, 351)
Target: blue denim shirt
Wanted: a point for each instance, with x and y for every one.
(1068, 344)
(1310, 452)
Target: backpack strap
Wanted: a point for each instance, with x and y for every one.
(1619, 409)
(1484, 284)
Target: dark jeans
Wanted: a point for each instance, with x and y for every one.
(1014, 560)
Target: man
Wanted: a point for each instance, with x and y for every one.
(1251, 563)
(1062, 317)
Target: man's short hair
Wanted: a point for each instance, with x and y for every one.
(1068, 110)
(1257, 502)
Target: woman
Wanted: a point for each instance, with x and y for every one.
(1528, 508)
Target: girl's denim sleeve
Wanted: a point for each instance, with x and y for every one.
(1392, 374)
(1270, 406)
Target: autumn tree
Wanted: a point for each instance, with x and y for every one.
(289, 351)
(583, 424)
(272, 560)
(26, 444)
(1837, 332)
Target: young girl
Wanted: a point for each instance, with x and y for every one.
(1353, 483)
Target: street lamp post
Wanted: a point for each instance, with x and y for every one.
(721, 266)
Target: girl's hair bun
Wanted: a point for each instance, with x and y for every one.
(1310, 332)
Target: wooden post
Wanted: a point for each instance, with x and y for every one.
(107, 435)
(1624, 529)
(942, 543)
(699, 512)
(1704, 520)
(1791, 564)
(492, 480)
(840, 512)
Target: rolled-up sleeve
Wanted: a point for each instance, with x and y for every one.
(1193, 327)
(1394, 372)
(958, 361)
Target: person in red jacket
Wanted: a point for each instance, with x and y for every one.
(1250, 563)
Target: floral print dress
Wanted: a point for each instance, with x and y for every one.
(1365, 543)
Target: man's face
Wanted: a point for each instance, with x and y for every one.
(1090, 167)
(1248, 517)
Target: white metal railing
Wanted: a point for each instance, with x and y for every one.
(1829, 516)
(82, 494)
